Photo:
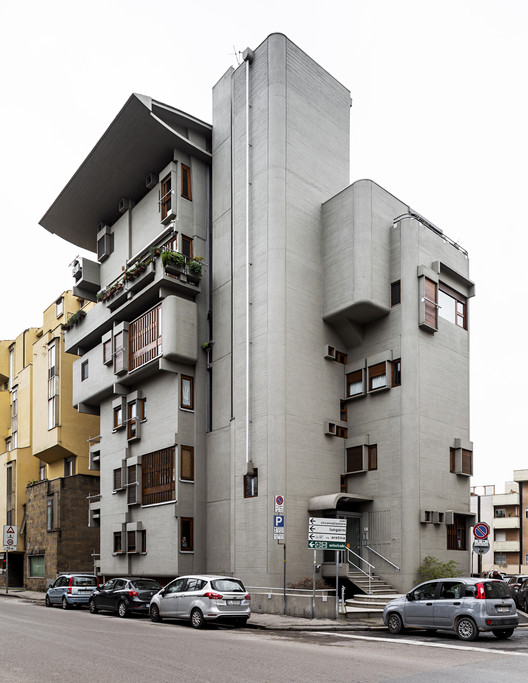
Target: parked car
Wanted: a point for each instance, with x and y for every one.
(202, 598)
(521, 595)
(514, 583)
(124, 596)
(71, 590)
(464, 605)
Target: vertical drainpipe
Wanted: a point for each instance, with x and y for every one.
(248, 58)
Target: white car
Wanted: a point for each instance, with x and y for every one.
(201, 598)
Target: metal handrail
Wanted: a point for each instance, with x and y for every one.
(370, 567)
(382, 557)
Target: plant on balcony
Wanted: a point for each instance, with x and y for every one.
(195, 265)
(172, 258)
(74, 319)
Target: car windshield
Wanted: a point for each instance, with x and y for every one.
(496, 589)
(233, 585)
(84, 581)
(147, 584)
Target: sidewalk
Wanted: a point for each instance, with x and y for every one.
(271, 622)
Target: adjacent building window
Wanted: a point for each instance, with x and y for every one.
(500, 558)
(377, 376)
(59, 307)
(354, 383)
(166, 196)
(396, 373)
(251, 484)
(157, 472)
(187, 463)
(187, 393)
(456, 533)
(84, 370)
(395, 293)
(186, 190)
(186, 534)
(452, 306)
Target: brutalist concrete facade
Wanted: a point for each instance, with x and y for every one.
(327, 340)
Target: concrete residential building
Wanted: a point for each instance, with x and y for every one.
(45, 479)
(321, 354)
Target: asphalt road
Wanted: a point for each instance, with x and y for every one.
(37, 643)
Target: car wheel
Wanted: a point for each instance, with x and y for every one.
(122, 610)
(395, 623)
(92, 607)
(197, 618)
(503, 633)
(466, 629)
(155, 613)
(65, 603)
(48, 601)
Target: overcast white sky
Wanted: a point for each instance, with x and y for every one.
(439, 118)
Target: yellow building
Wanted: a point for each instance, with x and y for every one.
(44, 469)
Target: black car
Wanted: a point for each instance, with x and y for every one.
(124, 596)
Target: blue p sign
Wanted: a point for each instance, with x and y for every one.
(278, 520)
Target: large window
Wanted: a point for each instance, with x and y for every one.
(187, 393)
(157, 471)
(452, 306)
(362, 458)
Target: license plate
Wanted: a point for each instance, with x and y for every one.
(233, 602)
(503, 609)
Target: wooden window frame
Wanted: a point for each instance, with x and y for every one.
(341, 357)
(186, 187)
(460, 306)
(117, 479)
(84, 370)
(118, 417)
(107, 352)
(118, 542)
(377, 370)
(189, 242)
(341, 432)
(131, 542)
(353, 378)
(190, 405)
(166, 196)
(157, 477)
(457, 533)
(187, 454)
(354, 457)
(431, 303)
(343, 411)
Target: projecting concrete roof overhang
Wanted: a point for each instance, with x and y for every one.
(139, 141)
(336, 501)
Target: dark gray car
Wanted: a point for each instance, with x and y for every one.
(464, 605)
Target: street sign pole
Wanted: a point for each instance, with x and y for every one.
(313, 589)
(337, 585)
(7, 571)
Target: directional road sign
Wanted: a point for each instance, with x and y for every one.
(326, 545)
(326, 534)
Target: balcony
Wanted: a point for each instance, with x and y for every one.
(506, 546)
(505, 499)
(506, 523)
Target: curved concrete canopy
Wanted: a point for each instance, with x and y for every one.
(139, 141)
(336, 501)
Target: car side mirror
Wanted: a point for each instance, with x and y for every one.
(409, 597)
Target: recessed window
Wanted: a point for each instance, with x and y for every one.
(431, 308)
(135, 415)
(59, 307)
(187, 463)
(343, 484)
(166, 196)
(186, 190)
(377, 376)
(42, 471)
(500, 558)
(50, 513)
(119, 356)
(251, 484)
(131, 541)
(373, 457)
(395, 293)
(69, 469)
(343, 411)
(341, 357)
(36, 566)
(118, 542)
(452, 306)
(157, 474)
(118, 479)
(354, 459)
(354, 383)
(187, 246)
(187, 393)
(396, 373)
(118, 417)
(132, 485)
(107, 352)
(456, 533)
(341, 431)
(105, 243)
(84, 370)
(186, 534)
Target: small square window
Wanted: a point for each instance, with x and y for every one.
(251, 484)
(84, 371)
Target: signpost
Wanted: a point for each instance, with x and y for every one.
(326, 533)
(481, 544)
(10, 543)
(278, 534)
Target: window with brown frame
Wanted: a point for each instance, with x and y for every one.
(354, 383)
(343, 484)
(187, 392)
(84, 370)
(396, 372)
(187, 246)
(341, 357)
(343, 411)
(136, 413)
(186, 534)
(157, 473)
(186, 190)
(377, 376)
(452, 460)
(118, 417)
(456, 533)
(354, 459)
(118, 542)
(342, 432)
(119, 356)
(131, 541)
(466, 462)
(187, 463)
(373, 457)
(107, 352)
(431, 300)
(452, 306)
(166, 196)
(396, 293)
(132, 485)
(118, 479)
(251, 484)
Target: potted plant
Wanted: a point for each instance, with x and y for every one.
(194, 269)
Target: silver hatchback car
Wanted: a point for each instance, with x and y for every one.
(202, 597)
(464, 605)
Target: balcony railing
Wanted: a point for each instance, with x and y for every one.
(144, 339)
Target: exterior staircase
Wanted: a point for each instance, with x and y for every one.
(368, 605)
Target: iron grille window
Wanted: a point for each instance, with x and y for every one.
(157, 470)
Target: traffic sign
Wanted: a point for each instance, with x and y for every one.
(327, 521)
(480, 549)
(326, 545)
(279, 503)
(481, 543)
(326, 533)
(10, 537)
(481, 530)
(278, 527)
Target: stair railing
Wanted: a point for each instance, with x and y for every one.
(361, 559)
(382, 557)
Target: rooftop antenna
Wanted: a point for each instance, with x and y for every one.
(237, 54)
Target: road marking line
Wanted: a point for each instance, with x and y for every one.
(403, 641)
